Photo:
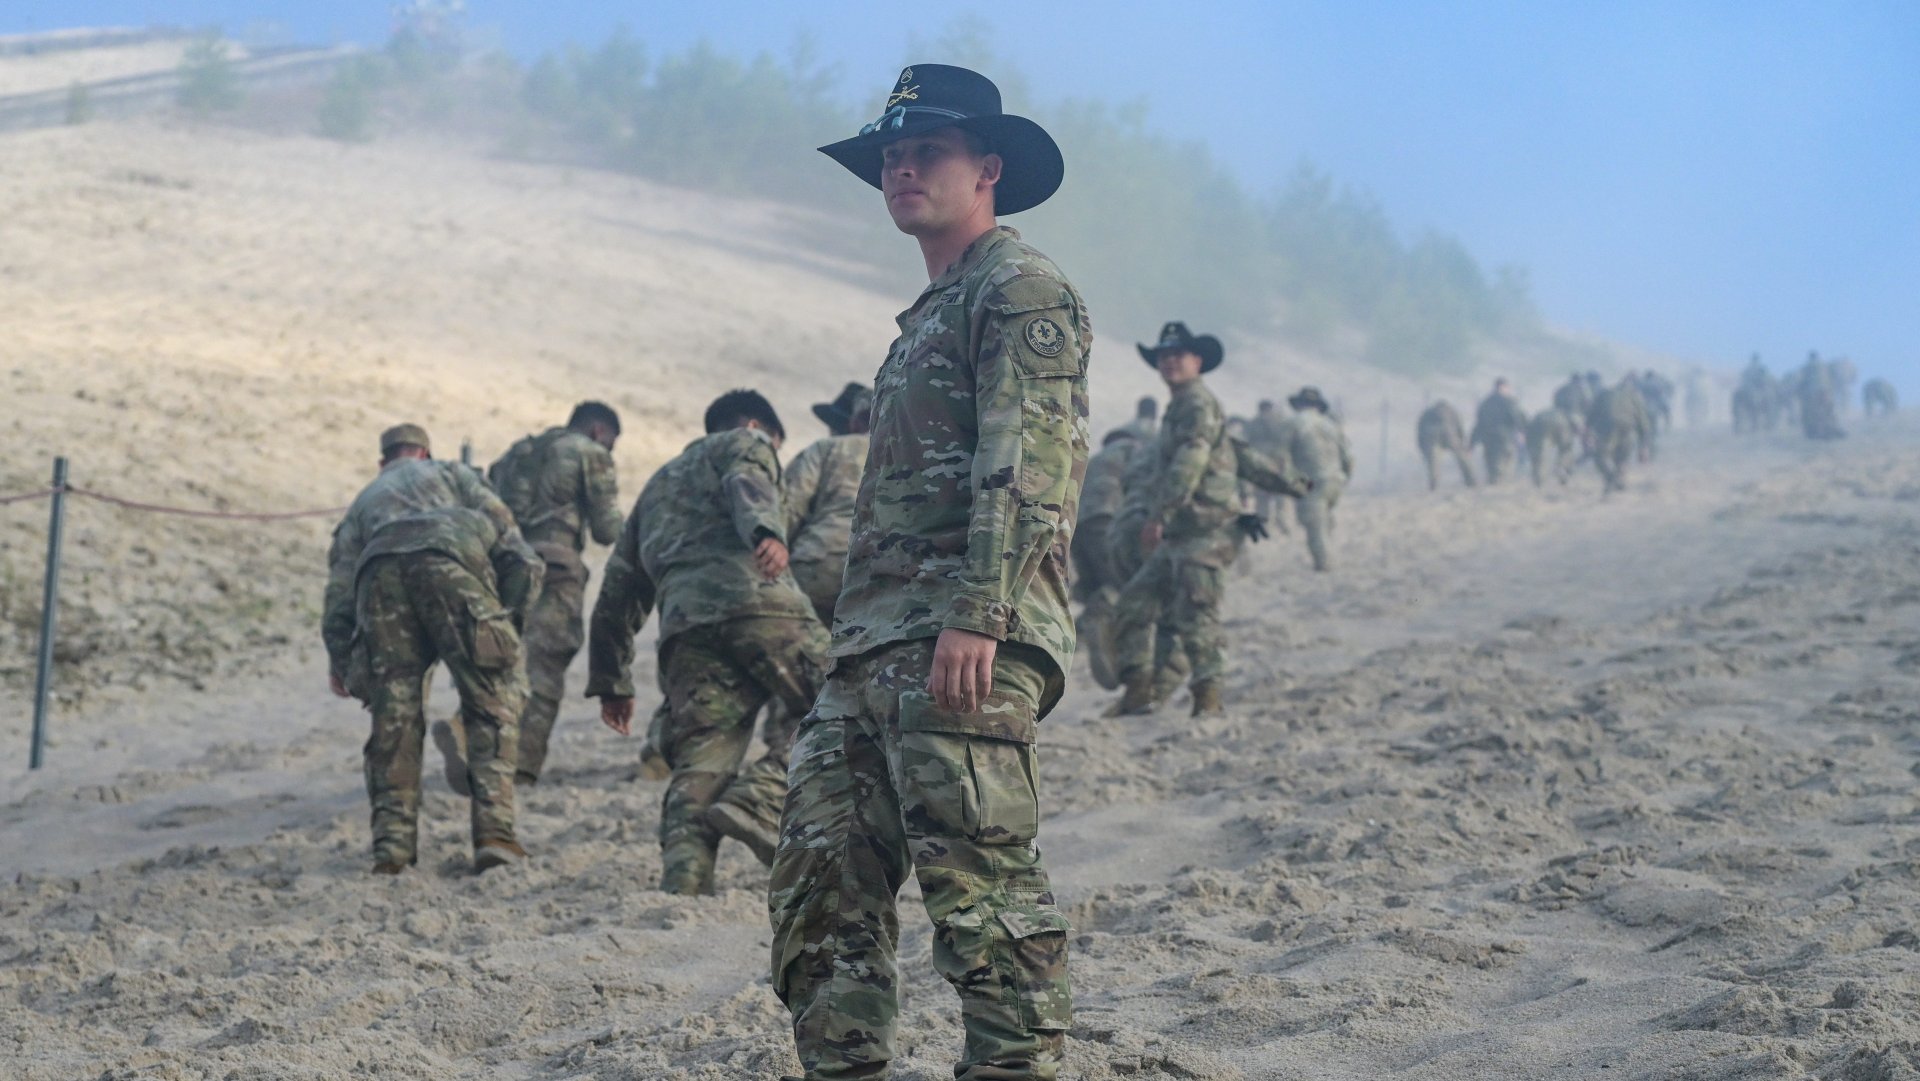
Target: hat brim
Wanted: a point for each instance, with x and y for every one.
(1033, 167)
(1209, 347)
(833, 418)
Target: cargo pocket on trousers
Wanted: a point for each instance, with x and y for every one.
(1037, 939)
(495, 645)
(969, 775)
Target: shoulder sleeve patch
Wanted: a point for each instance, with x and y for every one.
(1045, 337)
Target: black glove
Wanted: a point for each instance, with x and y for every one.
(1252, 526)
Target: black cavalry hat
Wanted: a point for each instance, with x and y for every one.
(929, 96)
(1175, 335)
(1310, 398)
(838, 412)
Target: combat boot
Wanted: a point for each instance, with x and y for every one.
(1206, 700)
(734, 821)
(452, 742)
(491, 854)
(1136, 698)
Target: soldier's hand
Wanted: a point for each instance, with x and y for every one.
(617, 713)
(337, 685)
(1252, 526)
(962, 669)
(771, 557)
(1150, 536)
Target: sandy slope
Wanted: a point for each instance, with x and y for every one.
(1534, 785)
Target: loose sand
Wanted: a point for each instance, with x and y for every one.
(1534, 785)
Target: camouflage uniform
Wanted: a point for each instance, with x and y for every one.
(1574, 398)
(1195, 497)
(1266, 434)
(1439, 430)
(818, 493)
(1498, 420)
(964, 520)
(1619, 425)
(560, 486)
(1317, 449)
(730, 639)
(428, 566)
(1164, 655)
(1550, 428)
(1094, 582)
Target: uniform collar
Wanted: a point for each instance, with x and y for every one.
(968, 262)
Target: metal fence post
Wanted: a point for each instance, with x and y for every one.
(49, 599)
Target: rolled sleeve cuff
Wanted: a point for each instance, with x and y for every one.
(609, 687)
(981, 614)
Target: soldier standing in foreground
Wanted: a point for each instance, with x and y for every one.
(818, 494)
(560, 486)
(952, 634)
(1439, 430)
(1316, 448)
(1495, 425)
(707, 544)
(428, 566)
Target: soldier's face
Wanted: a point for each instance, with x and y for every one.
(933, 182)
(1178, 366)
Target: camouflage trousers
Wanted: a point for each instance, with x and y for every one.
(1612, 451)
(885, 783)
(1499, 458)
(553, 635)
(717, 677)
(820, 580)
(1562, 461)
(1161, 652)
(414, 609)
(1431, 453)
(1315, 511)
(1181, 595)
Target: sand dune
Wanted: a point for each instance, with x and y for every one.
(1535, 785)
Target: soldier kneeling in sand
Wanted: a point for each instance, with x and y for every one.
(429, 566)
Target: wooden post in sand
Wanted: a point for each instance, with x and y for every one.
(49, 599)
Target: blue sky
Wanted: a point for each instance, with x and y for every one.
(1705, 178)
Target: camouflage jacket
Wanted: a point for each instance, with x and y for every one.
(1265, 432)
(1317, 448)
(979, 447)
(1497, 420)
(1619, 408)
(1573, 398)
(818, 494)
(1549, 428)
(1195, 488)
(1105, 488)
(1440, 426)
(421, 505)
(560, 486)
(687, 549)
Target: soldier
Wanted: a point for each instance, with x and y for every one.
(428, 566)
(1877, 396)
(1164, 655)
(1619, 425)
(706, 544)
(1095, 582)
(952, 635)
(1440, 429)
(1495, 425)
(1573, 398)
(821, 484)
(1657, 391)
(1264, 434)
(1551, 428)
(1313, 444)
(1819, 414)
(560, 486)
(1146, 417)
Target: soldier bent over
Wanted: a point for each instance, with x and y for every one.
(706, 544)
(428, 566)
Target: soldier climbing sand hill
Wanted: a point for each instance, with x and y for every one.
(1496, 424)
(706, 545)
(952, 635)
(1878, 398)
(428, 566)
(1619, 427)
(561, 488)
(1265, 433)
(1440, 430)
(818, 493)
(1314, 447)
(1096, 581)
(1551, 430)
